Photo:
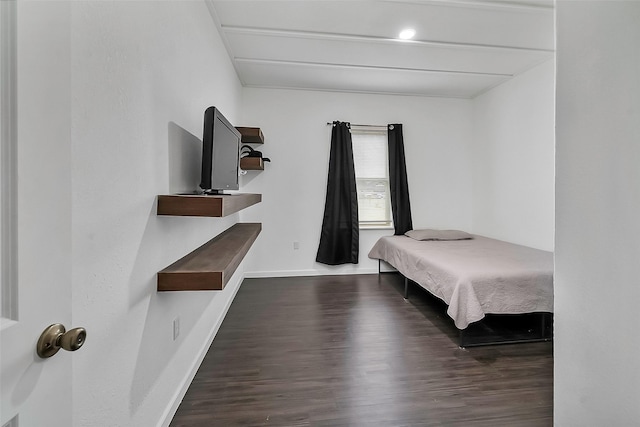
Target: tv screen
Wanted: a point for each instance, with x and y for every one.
(220, 154)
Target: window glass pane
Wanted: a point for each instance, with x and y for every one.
(372, 176)
(373, 201)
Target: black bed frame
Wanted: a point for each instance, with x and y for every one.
(464, 342)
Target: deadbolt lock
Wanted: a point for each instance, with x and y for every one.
(56, 337)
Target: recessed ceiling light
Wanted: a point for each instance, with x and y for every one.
(407, 34)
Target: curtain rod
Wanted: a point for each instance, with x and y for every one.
(366, 126)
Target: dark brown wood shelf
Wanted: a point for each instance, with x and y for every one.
(211, 265)
(252, 164)
(205, 205)
(251, 135)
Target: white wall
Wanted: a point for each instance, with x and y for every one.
(513, 159)
(297, 139)
(597, 280)
(143, 74)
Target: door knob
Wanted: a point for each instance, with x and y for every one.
(56, 337)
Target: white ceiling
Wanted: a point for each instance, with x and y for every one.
(462, 48)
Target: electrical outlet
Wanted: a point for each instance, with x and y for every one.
(296, 245)
(176, 328)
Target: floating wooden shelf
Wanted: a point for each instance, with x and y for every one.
(211, 265)
(205, 205)
(252, 164)
(251, 135)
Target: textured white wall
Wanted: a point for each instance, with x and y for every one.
(436, 136)
(513, 159)
(142, 75)
(597, 281)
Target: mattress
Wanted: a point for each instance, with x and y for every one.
(474, 277)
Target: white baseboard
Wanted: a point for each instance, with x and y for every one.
(304, 273)
(181, 391)
(329, 271)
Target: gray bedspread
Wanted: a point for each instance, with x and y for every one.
(474, 277)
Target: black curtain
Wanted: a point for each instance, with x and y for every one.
(339, 239)
(400, 206)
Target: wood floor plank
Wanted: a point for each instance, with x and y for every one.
(350, 351)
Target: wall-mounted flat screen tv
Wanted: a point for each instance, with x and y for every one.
(220, 154)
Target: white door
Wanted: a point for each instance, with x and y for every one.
(36, 213)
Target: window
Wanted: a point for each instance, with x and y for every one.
(370, 158)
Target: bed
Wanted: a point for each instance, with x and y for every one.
(475, 275)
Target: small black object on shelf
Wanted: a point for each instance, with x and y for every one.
(248, 151)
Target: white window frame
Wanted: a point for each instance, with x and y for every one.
(387, 221)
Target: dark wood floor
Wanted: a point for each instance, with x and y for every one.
(350, 351)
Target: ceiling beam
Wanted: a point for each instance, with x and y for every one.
(531, 6)
(370, 39)
(364, 67)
